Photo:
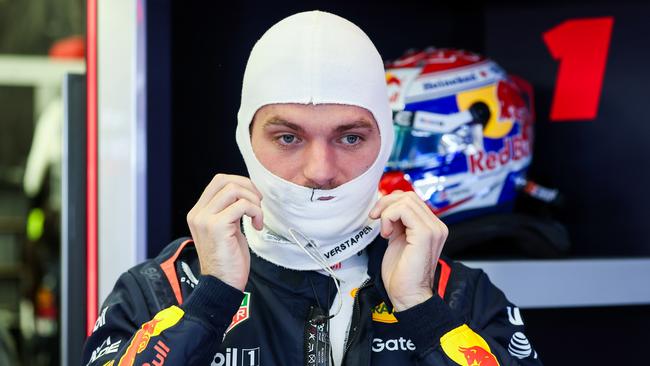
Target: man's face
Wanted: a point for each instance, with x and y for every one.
(318, 146)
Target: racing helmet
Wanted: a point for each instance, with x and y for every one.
(463, 132)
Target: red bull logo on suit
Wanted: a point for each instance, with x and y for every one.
(467, 348)
(477, 356)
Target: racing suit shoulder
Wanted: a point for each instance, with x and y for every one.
(144, 319)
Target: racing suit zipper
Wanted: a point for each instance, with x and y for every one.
(356, 315)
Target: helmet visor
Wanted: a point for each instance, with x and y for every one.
(416, 148)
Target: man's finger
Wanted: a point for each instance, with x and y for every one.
(410, 197)
(228, 195)
(420, 205)
(384, 202)
(233, 213)
(404, 213)
(218, 182)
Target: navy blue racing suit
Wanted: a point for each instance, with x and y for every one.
(162, 312)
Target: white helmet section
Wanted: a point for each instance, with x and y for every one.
(314, 58)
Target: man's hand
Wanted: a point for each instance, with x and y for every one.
(214, 224)
(415, 239)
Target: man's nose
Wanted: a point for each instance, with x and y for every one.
(320, 167)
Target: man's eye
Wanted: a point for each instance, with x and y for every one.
(287, 139)
(351, 139)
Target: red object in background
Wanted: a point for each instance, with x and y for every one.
(46, 303)
(68, 48)
(393, 181)
(581, 45)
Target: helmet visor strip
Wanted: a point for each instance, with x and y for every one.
(421, 137)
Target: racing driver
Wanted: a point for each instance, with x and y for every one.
(304, 263)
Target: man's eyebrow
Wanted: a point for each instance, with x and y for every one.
(277, 121)
(362, 123)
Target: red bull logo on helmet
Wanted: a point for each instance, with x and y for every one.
(511, 102)
(394, 86)
(467, 348)
(392, 79)
(514, 148)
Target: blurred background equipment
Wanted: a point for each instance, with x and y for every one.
(32, 66)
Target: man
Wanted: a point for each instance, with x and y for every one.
(303, 263)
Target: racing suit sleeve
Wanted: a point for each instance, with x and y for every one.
(126, 334)
(492, 333)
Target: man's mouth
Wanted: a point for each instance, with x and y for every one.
(325, 198)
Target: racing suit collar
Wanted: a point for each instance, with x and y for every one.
(299, 283)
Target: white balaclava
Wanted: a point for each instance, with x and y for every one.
(314, 58)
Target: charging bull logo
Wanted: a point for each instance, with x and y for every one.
(163, 320)
(394, 87)
(477, 356)
(505, 102)
(392, 79)
(467, 348)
